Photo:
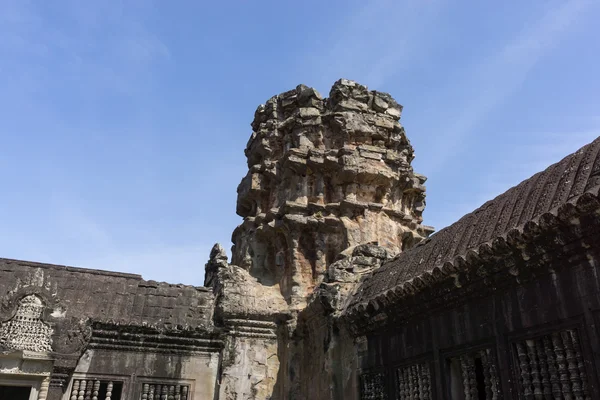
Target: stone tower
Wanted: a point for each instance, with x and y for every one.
(324, 175)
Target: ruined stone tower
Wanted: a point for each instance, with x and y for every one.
(324, 175)
(328, 180)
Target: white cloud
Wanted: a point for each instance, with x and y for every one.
(495, 79)
(375, 41)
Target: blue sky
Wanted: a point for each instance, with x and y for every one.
(123, 123)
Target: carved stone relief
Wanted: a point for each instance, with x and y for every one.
(26, 330)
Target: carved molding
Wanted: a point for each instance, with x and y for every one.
(140, 339)
(252, 328)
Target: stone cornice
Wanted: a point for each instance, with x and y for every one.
(251, 328)
(140, 339)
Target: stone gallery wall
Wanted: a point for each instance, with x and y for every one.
(501, 304)
(539, 338)
(99, 326)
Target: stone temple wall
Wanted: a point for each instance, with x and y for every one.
(72, 329)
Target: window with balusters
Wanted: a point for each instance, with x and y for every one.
(473, 376)
(413, 382)
(551, 366)
(372, 386)
(96, 389)
(165, 391)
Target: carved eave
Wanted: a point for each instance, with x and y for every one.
(551, 241)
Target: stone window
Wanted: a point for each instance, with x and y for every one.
(96, 389)
(413, 382)
(166, 391)
(473, 376)
(551, 366)
(372, 386)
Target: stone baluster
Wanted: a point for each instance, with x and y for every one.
(525, 372)
(563, 370)
(467, 378)
(145, 389)
(184, 393)
(495, 381)
(419, 368)
(535, 371)
(164, 392)
(543, 363)
(426, 383)
(411, 382)
(82, 386)
(552, 367)
(580, 364)
(171, 395)
(472, 377)
(401, 384)
(417, 382)
(572, 365)
(88, 390)
(109, 390)
(151, 392)
(487, 374)
(75, 389)
(408, 389)
(178, 392)
(44, 389)
(95, 390)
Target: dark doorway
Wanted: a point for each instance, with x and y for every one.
(15, 392)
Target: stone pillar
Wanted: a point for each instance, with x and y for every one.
(250, 361)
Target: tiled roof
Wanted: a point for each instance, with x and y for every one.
(545, 191)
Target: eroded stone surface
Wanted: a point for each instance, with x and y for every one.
(330, 194)
(324, 175)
